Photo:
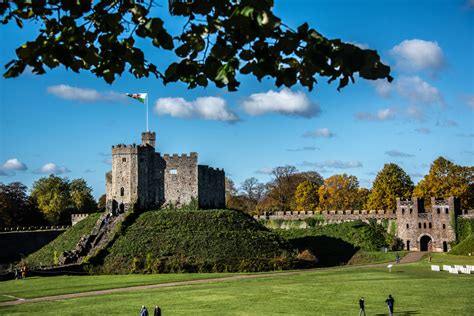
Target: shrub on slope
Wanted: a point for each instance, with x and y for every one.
(64, 242)
(196, 240)
(464, 247)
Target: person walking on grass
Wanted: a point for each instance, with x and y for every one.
(362, 306)
(157, 311)
(390, 302)
(144, 311)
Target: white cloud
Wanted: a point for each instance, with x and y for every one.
(51, 168)
(447, 123)
(107, 161)
(380, 115)
(285, 102)
(423, 130)
(265, 171)
(306, 148)
(208, 108)
(397, 153)
(84, 95)
(413, 55)
(418, 91)
(321, 132)
(336, 164)
(13, 164)
(383, 87)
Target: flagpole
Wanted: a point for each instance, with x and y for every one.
(147, 112)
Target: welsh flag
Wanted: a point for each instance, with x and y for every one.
(138, 96)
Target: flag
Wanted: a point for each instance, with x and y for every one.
(138, 96)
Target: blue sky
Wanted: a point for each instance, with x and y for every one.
(65, 123)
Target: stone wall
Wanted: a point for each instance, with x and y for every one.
(180, 178)
(211, 187)
(76, 218)
(332, 216)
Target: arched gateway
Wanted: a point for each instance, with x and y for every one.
(425, 242)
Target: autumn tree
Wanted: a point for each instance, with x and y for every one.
(339, 192)
(101, 203)
(447, 179)
(306, 196)
(361, 202)
(253, 189)
(391, 182)
(16, 207)
(219, 40)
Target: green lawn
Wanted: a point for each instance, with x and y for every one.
(45, 286)
(416, 289)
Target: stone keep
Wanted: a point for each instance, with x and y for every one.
(139, 174)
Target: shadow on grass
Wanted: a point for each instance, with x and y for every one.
(401, 313)
(330, 251)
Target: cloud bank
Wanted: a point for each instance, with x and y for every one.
(320, 132)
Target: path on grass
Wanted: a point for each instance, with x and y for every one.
(409, 258)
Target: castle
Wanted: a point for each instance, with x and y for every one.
(419, 229)
(148, 179)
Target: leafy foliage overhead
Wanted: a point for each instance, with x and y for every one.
(219, 40)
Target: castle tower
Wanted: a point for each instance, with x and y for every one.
(149, 138)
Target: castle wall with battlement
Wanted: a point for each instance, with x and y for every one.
(419, 229)
(211, 187)
(180, 178)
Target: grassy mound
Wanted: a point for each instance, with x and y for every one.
(196, 241)
(464, 247)
(68, 240)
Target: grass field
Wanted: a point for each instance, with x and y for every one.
(416, 290)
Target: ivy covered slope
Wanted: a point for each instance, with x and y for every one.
(196, 240)
(64, 242)
(465, 247)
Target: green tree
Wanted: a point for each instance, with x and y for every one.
(16, 208)
(391, 182)
(447, 179)
(53, 198)
(306, 196)
(339, 192)
(81, 196)
(218, 40)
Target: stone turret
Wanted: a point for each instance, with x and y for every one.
(149, 138)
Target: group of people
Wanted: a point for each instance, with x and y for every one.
(21, 273)
(389, 301)
(156, 312)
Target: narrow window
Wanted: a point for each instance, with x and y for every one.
(408, 226)
(447, 210)
(124, 159)
(122, 191)
(411, 210)
(444, 226)
(403, 211)
(173, 171)
(419, 225)
(424, 225)
(429, 225)
(438, 211)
